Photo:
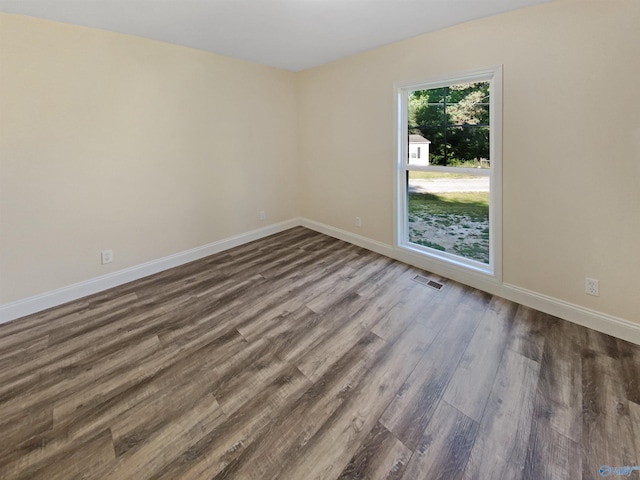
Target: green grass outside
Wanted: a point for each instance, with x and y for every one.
(461, 218)
(475, 204)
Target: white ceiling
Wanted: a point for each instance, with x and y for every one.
(290, 34)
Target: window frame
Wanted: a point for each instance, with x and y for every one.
(492, 270)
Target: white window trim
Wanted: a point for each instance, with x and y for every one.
(493, 270)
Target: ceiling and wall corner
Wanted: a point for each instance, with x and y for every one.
(289, 34)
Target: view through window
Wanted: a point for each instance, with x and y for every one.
(447, 170)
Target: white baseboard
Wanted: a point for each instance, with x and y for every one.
(602, 322)
(43, 301)
(353, 238)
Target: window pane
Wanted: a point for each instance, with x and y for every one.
(455, 120)
(449, 212)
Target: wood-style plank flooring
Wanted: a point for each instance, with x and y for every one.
(303, 357)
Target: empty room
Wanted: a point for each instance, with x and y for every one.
(319, 239)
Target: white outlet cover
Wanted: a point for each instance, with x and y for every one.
(107, 256)
(592, 286)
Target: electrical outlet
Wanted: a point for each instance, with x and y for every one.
(107, 256)
(592, 286)
(358, 222)
(262, 215)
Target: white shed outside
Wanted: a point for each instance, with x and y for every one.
(418, 150)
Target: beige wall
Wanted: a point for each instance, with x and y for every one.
(111, 141)
(149, 149)
(571, 141)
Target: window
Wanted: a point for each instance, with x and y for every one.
(449, 182)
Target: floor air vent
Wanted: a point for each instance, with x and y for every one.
(427, 282)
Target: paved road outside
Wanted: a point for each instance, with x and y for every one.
(442, 185)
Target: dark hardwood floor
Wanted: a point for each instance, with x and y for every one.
(303, 357)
